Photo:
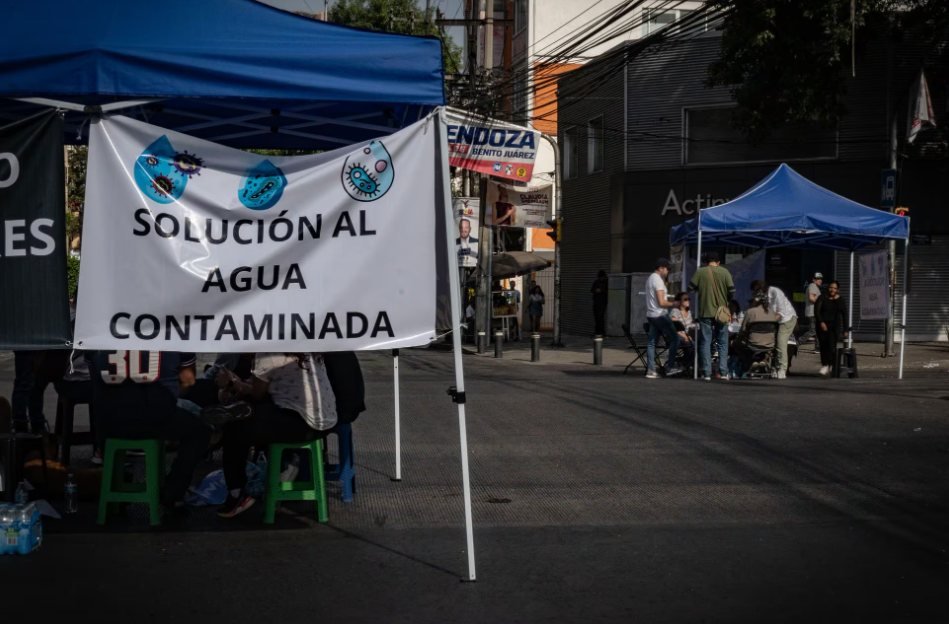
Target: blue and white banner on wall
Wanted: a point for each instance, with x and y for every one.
(192, 246)
(874, 285)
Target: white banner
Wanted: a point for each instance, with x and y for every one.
(519, 208)
(466, 211)
(874, 285)
(192, 246)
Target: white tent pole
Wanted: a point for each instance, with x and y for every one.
(850, 306)
(698, 328)
(458, 392)
(903, 322)
(398, 418)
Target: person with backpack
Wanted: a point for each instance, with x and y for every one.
(715, 288)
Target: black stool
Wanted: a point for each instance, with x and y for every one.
(845, 363)
(65, 412)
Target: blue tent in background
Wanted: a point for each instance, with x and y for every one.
(788, 210)
(235, 72)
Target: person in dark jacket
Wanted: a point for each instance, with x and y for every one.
(345, 374)
(600, 291)
(830, 314)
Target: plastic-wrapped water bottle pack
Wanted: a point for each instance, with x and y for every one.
(21, 530)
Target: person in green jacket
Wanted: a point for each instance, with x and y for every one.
(715, 288)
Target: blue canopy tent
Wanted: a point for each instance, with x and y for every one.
(235, 72)
(787, 210)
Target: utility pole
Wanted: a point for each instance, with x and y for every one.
(487, 232)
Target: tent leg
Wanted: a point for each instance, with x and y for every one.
(698, 329)
(903, 321)
(850, 306)
(459, 390)
(398, 417)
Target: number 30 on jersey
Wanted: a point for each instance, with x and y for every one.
(136, 366)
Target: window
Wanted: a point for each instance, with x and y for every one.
(520, 15)
(655, 20)
(712, 138)
(595, 145)
(570, 153)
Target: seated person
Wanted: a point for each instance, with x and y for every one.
(681, 316)
(292, 400)
(758, 330)
(204, 392)
(135, 395)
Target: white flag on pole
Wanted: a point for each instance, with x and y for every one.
(920, 109)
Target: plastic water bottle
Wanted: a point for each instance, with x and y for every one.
(24, 530)
(22, 496)
(6, 523)
(71, 494)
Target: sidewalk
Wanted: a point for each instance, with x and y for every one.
(920, 358)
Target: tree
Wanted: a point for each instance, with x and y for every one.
(786, 60)
(396, 16)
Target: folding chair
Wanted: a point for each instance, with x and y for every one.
(661, 348)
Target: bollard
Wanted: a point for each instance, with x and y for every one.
(598, 351)
(482, 342)
(535, 347)
(498, 340)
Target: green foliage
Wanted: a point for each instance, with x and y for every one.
(76, 161)
(787, 61)
(72, 274)
(396, 16)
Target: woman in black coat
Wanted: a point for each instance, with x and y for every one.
(830, 314)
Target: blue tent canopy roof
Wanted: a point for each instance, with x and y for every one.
(234, 71)
(788, 210)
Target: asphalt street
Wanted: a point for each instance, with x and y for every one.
(597, 497)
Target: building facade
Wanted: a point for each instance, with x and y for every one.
(646, 146)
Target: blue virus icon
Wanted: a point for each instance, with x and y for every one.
(157, 174)
(368, 174)
(262, 187)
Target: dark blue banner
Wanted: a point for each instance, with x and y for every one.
(34, 307)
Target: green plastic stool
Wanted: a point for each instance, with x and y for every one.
(278, 490)
(115, 489)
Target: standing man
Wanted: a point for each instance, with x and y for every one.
(810, 297)
(659, 322)
(716, 288)
(787, 321)
(600, 291)
(516, 297)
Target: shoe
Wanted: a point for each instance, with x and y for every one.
(96, 458)
(652, 375)
(217, 415)
(824, 371)
(717, 376)
(235, 505)
(782, 375)
(707, 378)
